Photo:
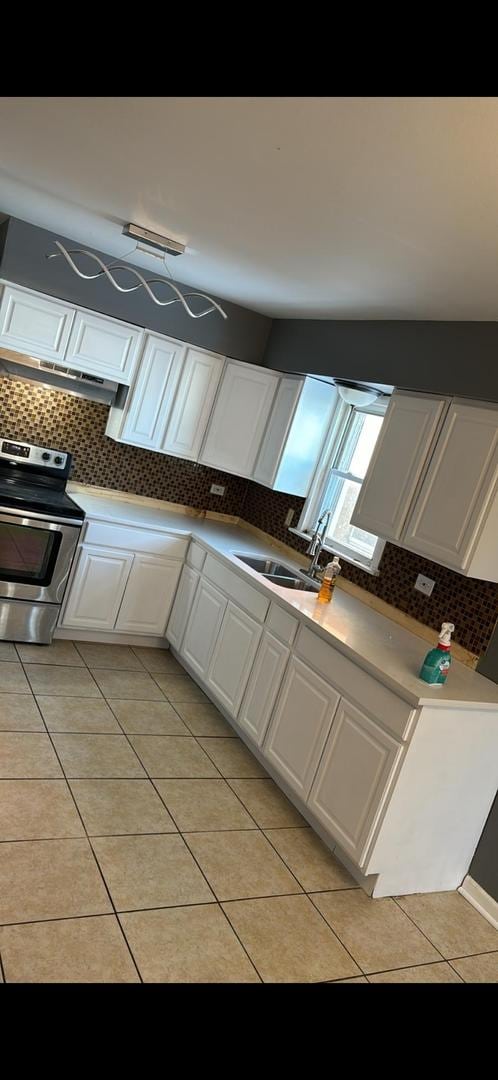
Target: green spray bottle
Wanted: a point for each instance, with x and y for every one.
(437, 662)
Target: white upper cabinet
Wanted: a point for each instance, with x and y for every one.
(239, 418)
(49, 329)
(145, 418)
(406, 438)
(34, 324)
(297, 428)
(108, 348)
(455, 517)
(200, 375)
(432, 483)
(279, 425)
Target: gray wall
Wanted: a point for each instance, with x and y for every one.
(242, 335)
(458, 358)
(484, 865)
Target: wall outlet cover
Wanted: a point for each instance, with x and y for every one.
(424, 585)
(217, 489)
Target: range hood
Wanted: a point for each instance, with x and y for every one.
(16, 365)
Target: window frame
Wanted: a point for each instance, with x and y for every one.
(340, 429)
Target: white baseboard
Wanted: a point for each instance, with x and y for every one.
(110, 638)
(480, 899)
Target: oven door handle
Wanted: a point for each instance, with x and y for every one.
(51, 519)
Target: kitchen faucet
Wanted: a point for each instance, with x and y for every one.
(316, 543)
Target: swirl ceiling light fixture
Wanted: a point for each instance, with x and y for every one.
(153, 244)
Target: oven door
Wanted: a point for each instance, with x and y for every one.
(36, 552)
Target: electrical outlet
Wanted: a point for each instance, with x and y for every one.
(217, 489)
(289, 517)
(424, 584)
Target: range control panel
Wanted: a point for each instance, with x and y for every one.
(35, 455)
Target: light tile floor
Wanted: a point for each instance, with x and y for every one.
(140, 840)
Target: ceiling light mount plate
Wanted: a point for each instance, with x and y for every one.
(153, 239)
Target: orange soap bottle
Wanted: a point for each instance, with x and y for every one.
(330, 575)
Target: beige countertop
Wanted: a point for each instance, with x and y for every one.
(389, 652)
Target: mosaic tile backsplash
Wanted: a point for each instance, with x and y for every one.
(50, 417)
(470, 604)
(29, 412)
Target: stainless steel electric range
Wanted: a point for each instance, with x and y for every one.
(39, 531)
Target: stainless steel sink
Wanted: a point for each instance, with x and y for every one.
(265, 566)
(293, 583)
(278, 573)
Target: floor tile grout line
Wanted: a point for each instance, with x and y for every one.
(187, 846)
(227, 780)
(128, 734)
(2, 969)
(235, 793)
(419, 928)
(334, 932)
(406, 967)
(80, 654)
(90, 846)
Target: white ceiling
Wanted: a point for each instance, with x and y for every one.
(349, 208)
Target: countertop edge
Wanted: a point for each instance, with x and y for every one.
(275, 592)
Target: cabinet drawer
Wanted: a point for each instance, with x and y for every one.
(385, 707)
(280, 623)
(196, 556)
(132, 539)
(236, 588)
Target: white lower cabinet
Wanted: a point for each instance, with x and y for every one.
(182, 605)
(353, 777)
(263, 686)
(233, 657)
(122, 591)
(97, 588)
(300, 725)
(203, 628)
(148, 595)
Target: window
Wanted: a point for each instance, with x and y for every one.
(338, 481)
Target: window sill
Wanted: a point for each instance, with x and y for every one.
(373, 571)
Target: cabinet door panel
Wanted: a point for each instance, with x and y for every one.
(352, 781)
(97, 588)
(34, 324)
(233, 657)
(460, 486)
(148, 595)
(105, 347)
(203, 627)
(182, 605)
(300, 725)
(277, 431)
(263, 686)
(152, 395)
(239, 418)
(401, 453)
(197, 387)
